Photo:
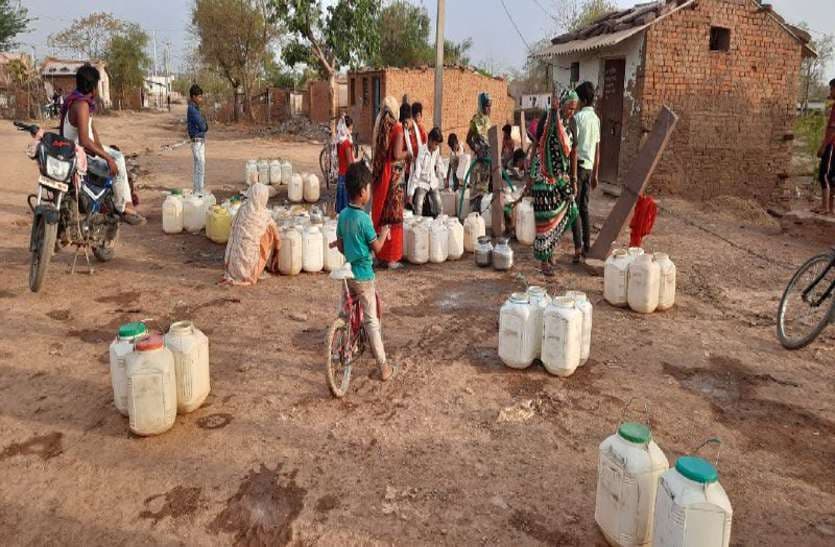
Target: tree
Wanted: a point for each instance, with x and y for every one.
(14, 19)
(457, 53)
(813, 83)
(234, 36)
(89, 36)
(127, 61)
(573, 15)
(406, 38)
(346, 33)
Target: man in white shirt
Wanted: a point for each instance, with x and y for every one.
(428, 174)
(588, 163)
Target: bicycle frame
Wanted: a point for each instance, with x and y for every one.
(814, 284)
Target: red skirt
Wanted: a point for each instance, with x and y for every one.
(392, 250)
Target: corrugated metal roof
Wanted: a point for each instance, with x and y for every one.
(596, 42)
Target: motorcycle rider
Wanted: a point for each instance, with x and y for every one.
(77, 112)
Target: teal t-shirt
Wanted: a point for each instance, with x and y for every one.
(356, 231)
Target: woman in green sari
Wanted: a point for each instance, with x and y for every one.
(553, 192)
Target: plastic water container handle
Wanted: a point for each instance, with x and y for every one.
(647, 416)
(712, 440)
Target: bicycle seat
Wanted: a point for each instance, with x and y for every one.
(342, 273)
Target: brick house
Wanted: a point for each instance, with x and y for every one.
(60, 74)
(728, 68)
(368, 87)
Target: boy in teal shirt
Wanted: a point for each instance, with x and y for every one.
(356, 239)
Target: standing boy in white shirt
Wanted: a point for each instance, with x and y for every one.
(588, 164)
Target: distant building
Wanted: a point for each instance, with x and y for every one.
(728, 68)
(368, 87)
(60, 74)
(316, 100)
(157, 89)
(12, 99)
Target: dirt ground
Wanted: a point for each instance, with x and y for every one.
(426, 459)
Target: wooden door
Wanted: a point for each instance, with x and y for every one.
(611, 109)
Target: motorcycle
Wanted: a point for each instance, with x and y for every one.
(71, 207)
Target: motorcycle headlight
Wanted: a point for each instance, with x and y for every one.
(57, 169)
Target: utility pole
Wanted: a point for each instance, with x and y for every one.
(438, 111)
(154, 34)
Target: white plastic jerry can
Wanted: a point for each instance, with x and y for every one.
(456, 238)
(539, 299)
(311, 190)
(691, 507)
(474, 228)
(264, 172)
(190, 348)
(295, 188)
(275, 172)
(419, 243)
(286, 172)
(313, 259)
(517, 330)
(333, 258)
(666, 281)
(172, 214)
(449, 202)
(290, 252)
(152, 387)
(583, 304)
(251, 172)
(616, 277)
(562, 337)
(194, 213)
(525, 222)
(120, 348)
(438, 242)
(642, 290)
(628, 467)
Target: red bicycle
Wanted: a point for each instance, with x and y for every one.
(347, 339)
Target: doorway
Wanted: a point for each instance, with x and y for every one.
(611, 110)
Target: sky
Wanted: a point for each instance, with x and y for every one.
(496, 45)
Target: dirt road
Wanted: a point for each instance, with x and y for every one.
(422, 460)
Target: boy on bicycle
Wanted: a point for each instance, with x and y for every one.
(356, 239)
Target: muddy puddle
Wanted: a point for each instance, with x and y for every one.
(263, 510)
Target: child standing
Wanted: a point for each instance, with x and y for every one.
(197, 128)
(588, 162)
(345, 153)
(454, 159)
(428, 175)
(356, 239)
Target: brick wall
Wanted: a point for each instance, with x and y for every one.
(319, 100)
(461, 89)
(736, 108)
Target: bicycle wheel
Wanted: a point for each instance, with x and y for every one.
(339, 355)
(798, 321)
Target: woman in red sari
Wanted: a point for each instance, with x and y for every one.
(388, 194)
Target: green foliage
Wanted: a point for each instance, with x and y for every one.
(573, 15)
(277, 74)
(404, 36)
(88, 36)
(234, 37)
(126, 59)
(343, 34)
(14, 20)
(407, 39)
(809, 129)
(813, 81)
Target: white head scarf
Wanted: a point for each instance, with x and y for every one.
(342, 133)
(250, 224)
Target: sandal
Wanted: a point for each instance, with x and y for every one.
(547, 270)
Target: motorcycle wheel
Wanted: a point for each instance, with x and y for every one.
(43, 246)
(106, 252)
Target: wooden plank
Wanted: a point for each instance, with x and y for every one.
(635, 181)
(497, 206)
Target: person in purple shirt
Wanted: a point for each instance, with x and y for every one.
(197, 128)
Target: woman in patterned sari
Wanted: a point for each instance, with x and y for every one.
(553, 193)
(387, 177)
